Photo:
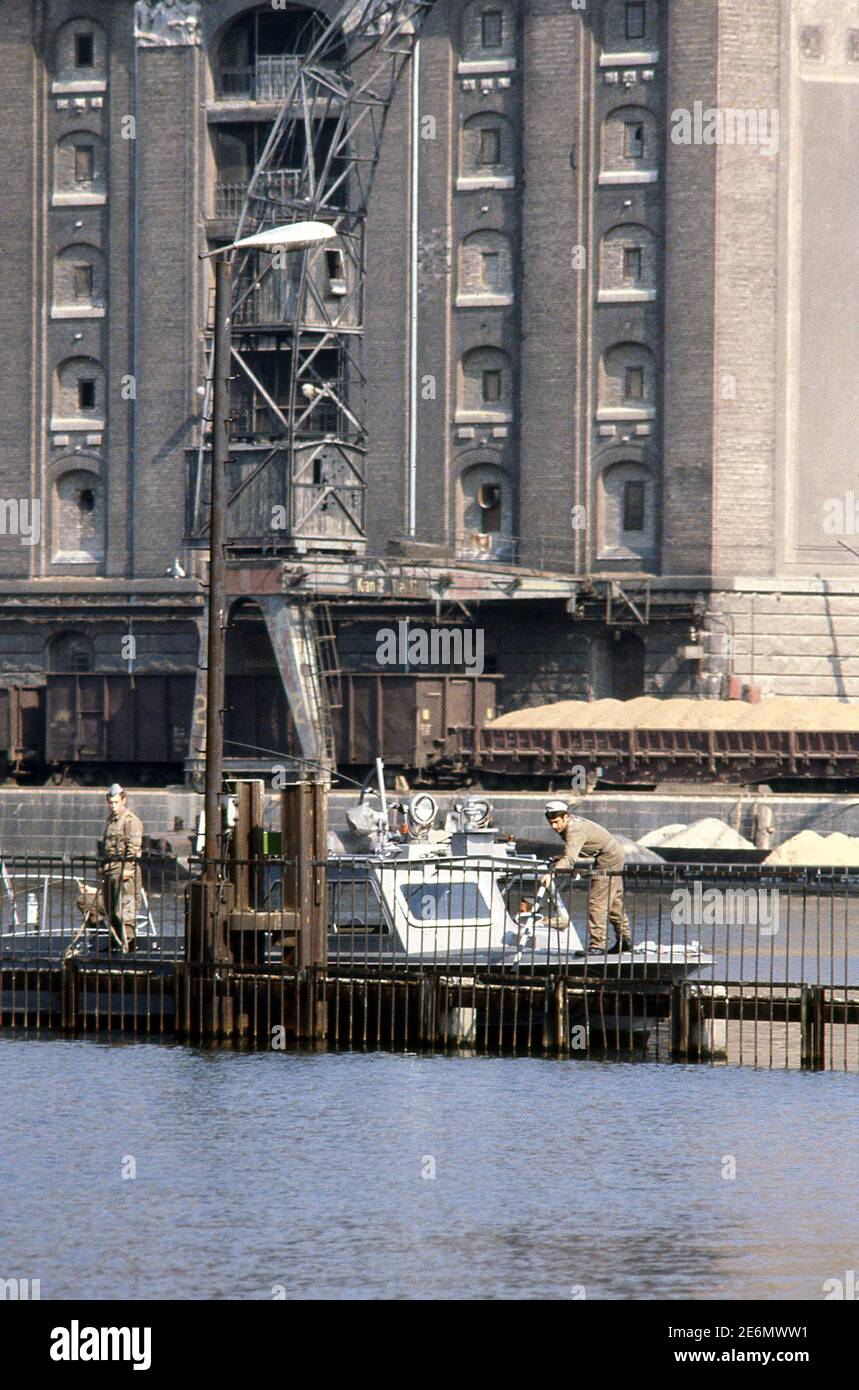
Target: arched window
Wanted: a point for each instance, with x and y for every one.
(79, 169)
(80, 57)
(259, 54)
(630, 146)
(488, 31)
(486, 153)
(70, 652)
(485, 386)
(627, 383)
(627, 265)
(79, 394)
(78, 518)
(485, 270)
(79, 283)
(485, 520)
(626, 514)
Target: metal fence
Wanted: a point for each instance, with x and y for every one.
(724, 964)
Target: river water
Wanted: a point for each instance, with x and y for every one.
(367, 1175)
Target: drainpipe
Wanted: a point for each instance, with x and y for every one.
(413, 292)
(133, 277)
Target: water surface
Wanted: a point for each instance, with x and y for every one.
(304, 1174)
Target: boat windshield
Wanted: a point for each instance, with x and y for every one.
(445, 904)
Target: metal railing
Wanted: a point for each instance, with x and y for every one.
(279, 185)
(268, 79)
(51, 908)
(724, 964)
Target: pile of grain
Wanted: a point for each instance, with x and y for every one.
(648, 712)
(709, 833)
(810, 848)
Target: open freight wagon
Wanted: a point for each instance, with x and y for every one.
(638, 746)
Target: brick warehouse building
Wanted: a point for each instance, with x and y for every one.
(607, 370)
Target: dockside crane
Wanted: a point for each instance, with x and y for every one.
(302, 403)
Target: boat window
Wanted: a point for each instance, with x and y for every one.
(444, 904)
(354, 906)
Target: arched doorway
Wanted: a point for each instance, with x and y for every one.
(257, 725)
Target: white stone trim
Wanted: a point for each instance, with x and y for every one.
(639, 59)
(61, 426)
(78, 200)
(626, 296)
(621, 176)
(627, 412)
(484, 66)
(75, 312)
(86, 85)
(483, 417)
(472, 182)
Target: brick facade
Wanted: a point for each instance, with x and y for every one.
(621, 333)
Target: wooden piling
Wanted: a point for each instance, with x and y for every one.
(69, 995)
(556, 1029)
(304, 847)
(812, 1024)
(679, 1020)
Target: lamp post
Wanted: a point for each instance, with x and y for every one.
(298, 236)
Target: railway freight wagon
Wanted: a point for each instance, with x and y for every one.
(423, 724)
(89, 727)
(85, 727)
(787, 742)
(127, 724)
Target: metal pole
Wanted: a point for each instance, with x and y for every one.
(217, 568)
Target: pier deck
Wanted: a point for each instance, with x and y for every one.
(779, 990)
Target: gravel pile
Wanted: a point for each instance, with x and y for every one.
(648, 712)
(810, 848)
(654, 838)
(709, 833)
(636, 853)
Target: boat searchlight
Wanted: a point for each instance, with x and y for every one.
(422, 812)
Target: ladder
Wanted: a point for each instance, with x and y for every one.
(321, 637)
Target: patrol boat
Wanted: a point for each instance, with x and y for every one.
(459, 896)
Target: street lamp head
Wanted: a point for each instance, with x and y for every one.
(296, 236)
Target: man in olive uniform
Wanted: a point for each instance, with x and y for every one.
(605, 899)
(123, 838)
